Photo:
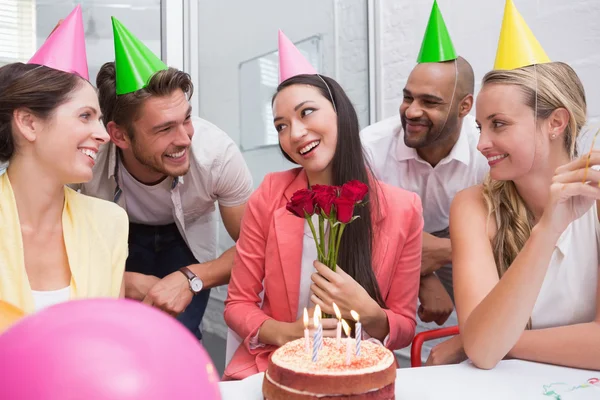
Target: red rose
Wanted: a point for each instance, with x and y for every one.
(354, 190)
(345, 209)
(324, 197)
(302, 201)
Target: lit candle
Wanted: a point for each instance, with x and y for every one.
(338, 334)
(317, 317)
(358, 330)
(306, 340)
(348, 342)
(315, 350)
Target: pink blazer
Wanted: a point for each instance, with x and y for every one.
(269, 254)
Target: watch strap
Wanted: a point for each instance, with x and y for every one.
(188, 274)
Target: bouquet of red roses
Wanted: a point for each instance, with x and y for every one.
(334, 205)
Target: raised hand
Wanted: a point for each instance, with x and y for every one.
(575, 188)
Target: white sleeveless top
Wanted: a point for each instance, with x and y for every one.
(568, 293)
(47, 298)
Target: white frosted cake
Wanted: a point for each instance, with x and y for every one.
(292, 375)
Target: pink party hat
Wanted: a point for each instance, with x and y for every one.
(64, 49)
(291, 61)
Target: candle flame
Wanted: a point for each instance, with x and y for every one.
(305, 318)
(338, 314)
(317, 316)
(346, 327)
(355, 315)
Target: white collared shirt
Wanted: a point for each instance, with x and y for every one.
(217, 172)
(398, 165)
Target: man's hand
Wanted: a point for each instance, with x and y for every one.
(137, 285)
(449, 352)
(437, 252)
(436, 304)
(171, 294)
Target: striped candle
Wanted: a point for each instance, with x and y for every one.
(320, 327)
(358, 330)
(318, 335)
(315, 349)
(358, 337)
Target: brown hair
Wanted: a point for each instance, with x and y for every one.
(37, 88)
(545, 88)
(124, 109)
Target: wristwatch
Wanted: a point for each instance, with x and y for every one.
(196, 283)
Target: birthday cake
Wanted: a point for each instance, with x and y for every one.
(292, 374)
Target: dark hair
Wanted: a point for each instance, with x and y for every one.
(124, 109)
(37, 88)
(349, 163)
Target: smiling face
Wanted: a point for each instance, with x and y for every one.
(428, 113)
(507, 131)
(307, 126)
(68, 142)
(160, 145)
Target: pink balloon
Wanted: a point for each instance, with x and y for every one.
(104, 349)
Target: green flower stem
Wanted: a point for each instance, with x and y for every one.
(321, 244)
(314, 233)
(339, 231)
(331, 251)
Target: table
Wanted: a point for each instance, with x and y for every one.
(511, 379)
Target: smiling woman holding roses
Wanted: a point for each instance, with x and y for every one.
(378, 256)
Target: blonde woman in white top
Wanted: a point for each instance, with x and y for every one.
(525, 248)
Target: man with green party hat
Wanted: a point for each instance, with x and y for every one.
(167, 168)
(430, 148)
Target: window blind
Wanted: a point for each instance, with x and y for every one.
(17, 30)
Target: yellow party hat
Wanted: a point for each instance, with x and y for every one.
(517, 47)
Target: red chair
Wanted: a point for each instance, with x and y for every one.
(417, 343)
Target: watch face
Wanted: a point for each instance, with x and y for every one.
(196, 285)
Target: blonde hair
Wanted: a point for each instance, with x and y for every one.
(557, 86)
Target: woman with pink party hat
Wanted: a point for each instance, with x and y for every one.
(379, 253)
(525, 242)
(56, 244)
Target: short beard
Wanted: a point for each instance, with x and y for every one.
(434, 135)
(146, 161)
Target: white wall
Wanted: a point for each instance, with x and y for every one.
(567, 30)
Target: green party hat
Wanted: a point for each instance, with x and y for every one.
(135, 63)
(437, 45)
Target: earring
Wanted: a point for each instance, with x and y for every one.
(553, 136)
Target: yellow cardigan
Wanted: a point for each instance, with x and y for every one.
(95, 234)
